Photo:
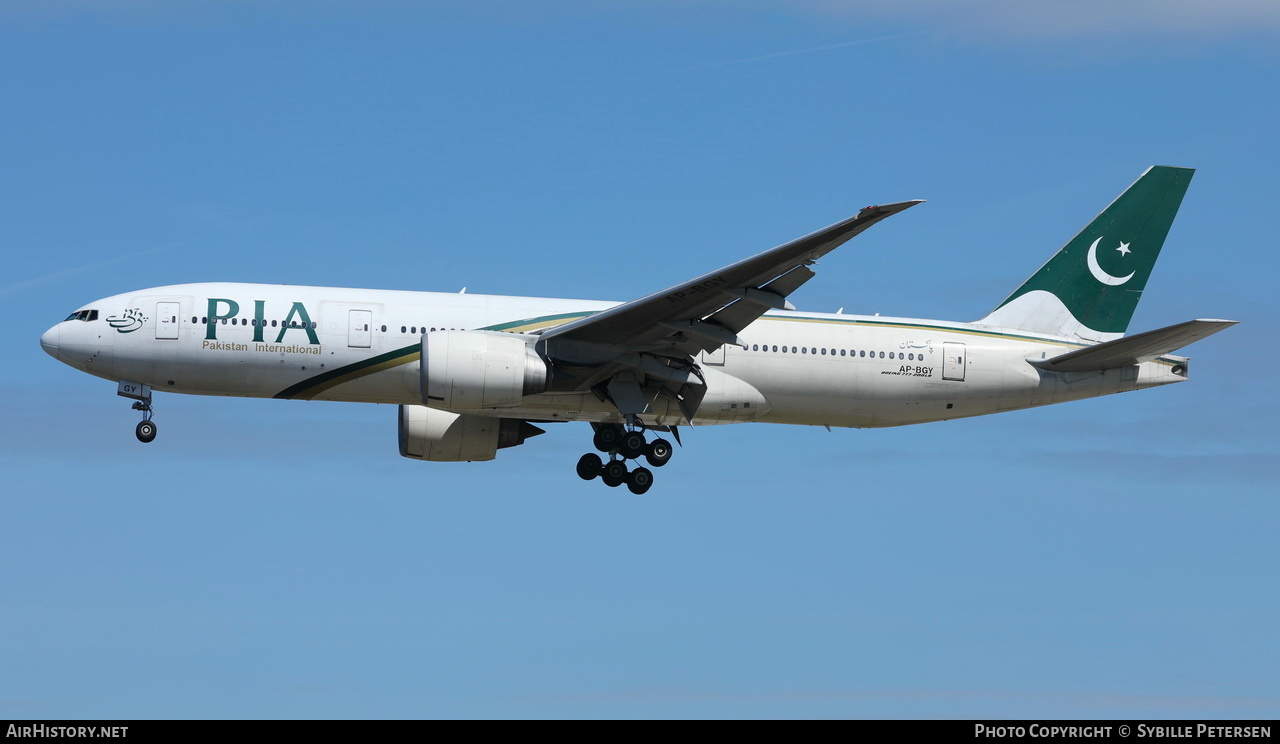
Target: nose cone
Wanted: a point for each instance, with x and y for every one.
(49, 341)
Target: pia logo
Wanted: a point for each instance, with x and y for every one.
(130, 321)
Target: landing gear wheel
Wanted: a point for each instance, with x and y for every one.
(632, 445)
(589, 466)
(658, 453)
(607, 437)
(146, 431)
(615, 473)
(639, 480)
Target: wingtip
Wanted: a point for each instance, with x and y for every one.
(894, 206)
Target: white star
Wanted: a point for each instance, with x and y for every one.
(1124, 249)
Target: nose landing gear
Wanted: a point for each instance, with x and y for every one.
(141, 394)
(622, 445)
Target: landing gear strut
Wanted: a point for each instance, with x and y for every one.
(622, 445)
(141, 394)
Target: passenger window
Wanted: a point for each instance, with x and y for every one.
(842, 352)
(824, 352)
(804, 350)
(882, 355)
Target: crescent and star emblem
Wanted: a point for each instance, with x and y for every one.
(1102, 276)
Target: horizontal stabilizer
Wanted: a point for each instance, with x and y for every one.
(1136, 349)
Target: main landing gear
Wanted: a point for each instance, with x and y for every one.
(622, 445)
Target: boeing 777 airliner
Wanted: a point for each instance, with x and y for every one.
(473, 374)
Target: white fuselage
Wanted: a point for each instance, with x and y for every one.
(363, 345)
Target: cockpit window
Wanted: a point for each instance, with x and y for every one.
(83, 315)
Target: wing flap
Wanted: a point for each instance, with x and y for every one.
(753, 303)
(1136, 349)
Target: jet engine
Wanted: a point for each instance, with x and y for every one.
(473, 370)
(442, 436)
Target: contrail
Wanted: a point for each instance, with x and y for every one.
(793, 52)
(26, 284)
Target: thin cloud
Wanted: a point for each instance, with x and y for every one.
(990, 20)
(1068, 18)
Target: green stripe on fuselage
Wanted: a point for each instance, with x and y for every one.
(313, 386)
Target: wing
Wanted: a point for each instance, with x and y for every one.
(632, 353)
(704, 313)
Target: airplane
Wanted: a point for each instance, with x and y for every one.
(474, 373)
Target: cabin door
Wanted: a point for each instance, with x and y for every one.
(953, 362)
(360, 329)
(167, 319)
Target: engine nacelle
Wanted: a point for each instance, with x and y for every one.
(441, 436)
(473, 370)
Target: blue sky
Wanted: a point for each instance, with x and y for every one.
(1109, 558)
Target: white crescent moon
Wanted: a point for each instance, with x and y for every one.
(1099, 274)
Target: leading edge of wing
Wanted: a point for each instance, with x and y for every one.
(697, 298)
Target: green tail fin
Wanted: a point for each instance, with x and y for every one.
(1090, 288)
